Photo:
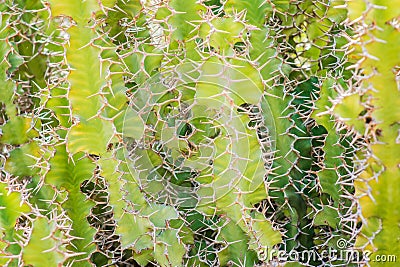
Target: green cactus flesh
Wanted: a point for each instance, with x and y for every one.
(199, 132)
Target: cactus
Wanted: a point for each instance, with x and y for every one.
(376, 53)
(197, 133)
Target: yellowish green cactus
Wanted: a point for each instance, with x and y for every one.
(376, 53)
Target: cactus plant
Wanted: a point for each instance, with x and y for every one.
(198, 132)
(377, 54)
